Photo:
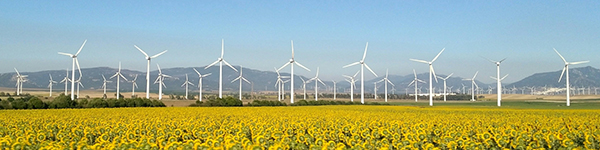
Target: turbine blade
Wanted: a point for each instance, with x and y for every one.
(390, 82)
(415, 73)
(297, 63)
(81, 48)
(205, 75)
(113, 76)
(141, 50)
(67, 54)
(367, 66)
(504, 77)
(211, 64)
(356, 73)
(475, 75)
(449, 76)
(222, 47)
(352, 64)
(197, 72)
(321, 82)
(236, 79)
(292, 49)
(438, 55)
(494, 78)
(579, 62)
(561, 74)
(502, 60)
(421, 61)
(78, 67)
(123, 77)
(365, 54)
(246, 80)
(226, 63)
(560, 55)
(413, 81)
(433, 72)
(488, 59)
(347, 76)
(284, 65)
(159, 54)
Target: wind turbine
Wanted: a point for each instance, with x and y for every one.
(498, 79)
(446, 78)
(317, 80)
(200, 76)
(160, 80)
(186, 84)
(352, 80)
(241, 78)
(416, 81)
(66, 81)
(50, 84)
(75, 61)
(291, 63)
(386, 80)
(104, 85)
(118, 74)
(431, 74)
(499, 88)
(303, 87)
(333, 89)
(133, 85)
(473, 85)
(20, 80)
(362, 74)
(78, 85)
(566, 68)
(148, 69)
(220, 60)
(279, 83)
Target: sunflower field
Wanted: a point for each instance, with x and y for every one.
(318, 127)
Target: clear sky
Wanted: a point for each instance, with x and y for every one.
(327, 34)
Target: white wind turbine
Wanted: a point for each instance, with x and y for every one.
(446, 78)
(148, 68)
(499, 90)
(240, 78)
(200, 76)
(317, 80)
(78, 85)
(20, 80)
(118, 74)
(375, 90)
(75, 61)
(416, 82)
(291, 63)
(133, 85)
(160, 80)
(279, 84)
(498, 79)
(362, 74)
(473, 85)
(386, 80)
(431, 74)
(186, 84)
(220, 60)
(566, 68)
(50, 84)
(352, 80)
(303, 88)
(66, 81)
(104, 85)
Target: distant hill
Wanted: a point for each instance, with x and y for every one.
(579, 77)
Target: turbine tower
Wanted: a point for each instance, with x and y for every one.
(291, 63)
(386, 80)
(50, 84)
(160, 80)
(200, 76)
(220, 60)
(317, 80)
(334, 89)
(148, 68)
(416, 82)
(352, 80)
(362, 74)
(566, 68)
(240, 78)
(431, 74)
(446, 78)
(498, 79)
(473, 85)
(303, 87)
(75, 61)
(119, 75)
(186, 84)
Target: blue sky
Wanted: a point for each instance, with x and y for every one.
(326, 34)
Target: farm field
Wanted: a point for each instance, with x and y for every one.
(318, 127)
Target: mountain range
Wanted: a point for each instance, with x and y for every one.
(265, 80)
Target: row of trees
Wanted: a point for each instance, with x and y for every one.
(63, 101)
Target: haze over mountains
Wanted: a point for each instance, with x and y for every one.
(265, 80)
